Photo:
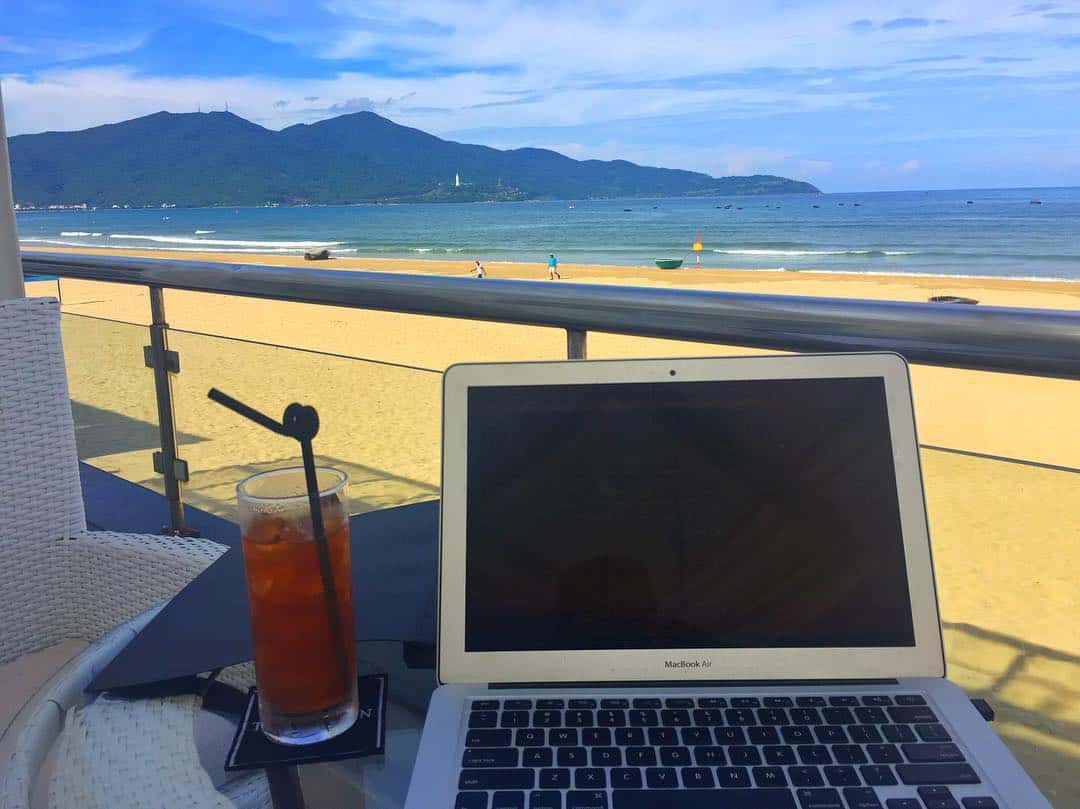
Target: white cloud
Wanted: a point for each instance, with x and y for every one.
(908, 166)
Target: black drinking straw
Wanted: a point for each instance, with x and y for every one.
(302, 423)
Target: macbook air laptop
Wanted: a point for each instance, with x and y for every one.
(691, 584)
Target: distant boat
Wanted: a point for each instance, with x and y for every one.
(669, 263)
(165, 219)
(1035, 202)
(856, 204)
(970, 202)
(571, 206)
(815, 206)
(627, 209)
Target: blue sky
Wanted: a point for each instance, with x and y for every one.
(849, 95)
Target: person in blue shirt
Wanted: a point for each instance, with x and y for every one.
(553, 267)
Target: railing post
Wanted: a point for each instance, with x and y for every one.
(164, 363)
(575, 344)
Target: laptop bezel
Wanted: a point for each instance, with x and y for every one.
(455, 665)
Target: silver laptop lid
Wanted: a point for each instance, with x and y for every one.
(691, 519)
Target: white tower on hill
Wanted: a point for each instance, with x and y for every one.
(457, 180)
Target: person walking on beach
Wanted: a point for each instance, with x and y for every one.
(478, 270)
(553, 267)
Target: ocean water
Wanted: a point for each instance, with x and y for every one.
(979, 233)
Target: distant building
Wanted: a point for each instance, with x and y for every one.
(457, 180)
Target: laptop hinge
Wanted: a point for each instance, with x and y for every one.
(693, 683)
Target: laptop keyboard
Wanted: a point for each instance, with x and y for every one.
(775, 752)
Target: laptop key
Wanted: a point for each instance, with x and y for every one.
(745, 702)
(861, 798)
(528, 737)
(708, 716)
(740, 716)
(911, 714)
(707, 756)
(483, 719)
(674, 756)
(471, 800)
(937, 798)
(590, 778)
(805, 777)
(772, 716)
(770, 777)
(536, 757)
(814, 754)
(661, 778)
(508, 800)
(580, 719)
(712, 702)
(805, 716)
(844, 702)
(547, 719)
(518, 704)
(732, 777)
(582, 704)
(864, 734)
(606, 757)
(937, 774)
(592, 799)
(695, 736)
(910, 699)
(659, 736)
(763, 735)
(615, 704)
(932, 752)
(903, 803)
(797, 734)
(897, 733)
(611, 718)
(626, 737)
(842, 776)
(706, 799)
(728, 735)
(810, 702)
(487, 738)
(647, 702)
(780, 755)
(545, 800)
(514, 719)
(592, 737)
(626, 778)
(485, 705)
(848, 754)
(838, 716)
(641, 757)
(887, 754)
(830, 734)
(678, 702)
(551, 704)
(497, 779)
(555, 779)
(979, 803)
(571, 757)
(871, 715)
(744, 756)
(777, 702)
(877, 699)
(490, 757)
(675, 718)
(561, 737)
(643, 718)
(878, 775)
(697, 778)
(819, 799)
(933, 733)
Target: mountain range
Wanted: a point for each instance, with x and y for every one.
(218, 158)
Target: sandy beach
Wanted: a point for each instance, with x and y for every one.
(1005, 529)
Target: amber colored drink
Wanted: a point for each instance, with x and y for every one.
(305, 669)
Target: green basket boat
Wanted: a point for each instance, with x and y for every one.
(669, 263)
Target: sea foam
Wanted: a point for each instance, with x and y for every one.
(161, 239)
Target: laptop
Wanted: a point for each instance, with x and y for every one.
(691, 584)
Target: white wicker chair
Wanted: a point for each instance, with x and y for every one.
(59, 581)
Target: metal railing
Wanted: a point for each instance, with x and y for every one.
(986, 338)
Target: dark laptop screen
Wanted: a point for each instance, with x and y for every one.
(732, 514)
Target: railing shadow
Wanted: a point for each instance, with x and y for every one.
(101, 432)
(1035, 691)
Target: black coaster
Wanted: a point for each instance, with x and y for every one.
(251, 749)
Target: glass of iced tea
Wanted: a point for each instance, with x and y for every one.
(305, 666)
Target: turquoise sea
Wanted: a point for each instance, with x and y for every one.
(981, 233)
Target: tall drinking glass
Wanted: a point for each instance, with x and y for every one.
(305, 666)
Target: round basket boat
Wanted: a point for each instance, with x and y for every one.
(669, 263)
